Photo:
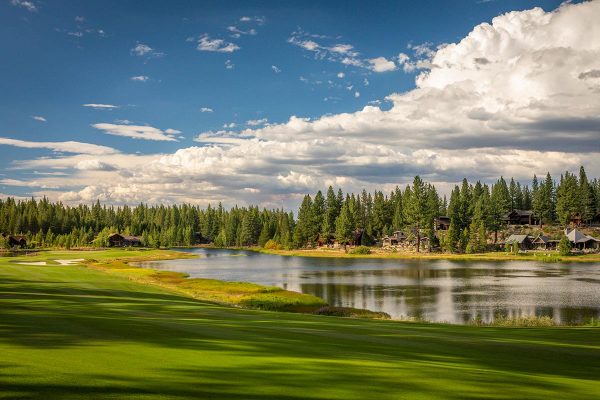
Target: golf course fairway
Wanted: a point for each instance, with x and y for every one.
(74, 332)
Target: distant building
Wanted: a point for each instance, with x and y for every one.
(519, 217)
(580, 240)
(542, 242)
(118, 240)
(442, 223)
(522, 242)
(15, 240)
(394, 239)
(357, 237)
(324, 239)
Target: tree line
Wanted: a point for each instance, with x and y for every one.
(475, 211)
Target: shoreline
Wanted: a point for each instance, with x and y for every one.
(377, 254)
(245, 295)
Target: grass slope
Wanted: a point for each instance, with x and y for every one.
(71, 332)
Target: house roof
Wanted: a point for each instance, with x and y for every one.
(576, 236)
(17, 237)
(129, 238)
(541, 239)
(518, 239)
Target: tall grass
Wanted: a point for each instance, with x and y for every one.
(516, 322)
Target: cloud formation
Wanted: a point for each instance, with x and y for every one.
(28, 5)
(66, 147)
(515, 97)
(97, 106)
(205, 43)
(381, 64)
(143, 50)
(138, 132)
(343, 53)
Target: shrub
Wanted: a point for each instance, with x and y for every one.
(361, 250)
(349, 312)
(272, 245)
(564, 246)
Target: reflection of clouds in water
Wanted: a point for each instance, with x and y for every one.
(435, 290)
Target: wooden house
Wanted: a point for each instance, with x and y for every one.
(324, 239)
(522, 242)
(118, 240)
(575, 220)
(442, 223)
(581, 241)
(394, 239)
(542, 242)
(519, 217)
(15, 240)
(357, 236)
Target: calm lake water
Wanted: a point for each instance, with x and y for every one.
(433, 290)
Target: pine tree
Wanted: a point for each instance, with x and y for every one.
(332, 210)
(587, 206)
(302, 230)
(499, 205)
(344, 226)
(567, 198)
(416, 206)
(317, 214)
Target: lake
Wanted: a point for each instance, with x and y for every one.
(432, 290)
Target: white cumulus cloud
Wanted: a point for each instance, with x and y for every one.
(381, 64)
(517, 96)
(205, 43)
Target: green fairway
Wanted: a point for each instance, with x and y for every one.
(72, 332)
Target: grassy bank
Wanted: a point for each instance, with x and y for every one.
(244, 294)
(378, 253)
(72, 332)
(116, 262)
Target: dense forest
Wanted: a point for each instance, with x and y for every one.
(475, 212)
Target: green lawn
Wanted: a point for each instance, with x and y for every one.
(72, 332)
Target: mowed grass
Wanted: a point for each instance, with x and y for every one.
(73, 332)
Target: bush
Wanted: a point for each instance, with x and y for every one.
(512, 248)
(564, 246)
(361, 250)
(349, 312)
(272, 245)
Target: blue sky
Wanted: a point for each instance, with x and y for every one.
(186, 68)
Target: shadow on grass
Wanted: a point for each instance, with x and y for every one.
(272, 355)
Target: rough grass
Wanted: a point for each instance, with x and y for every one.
(350, 312)
(523, 322)
(243, 294)
(72, 332)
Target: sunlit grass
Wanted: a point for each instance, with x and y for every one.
(75, 332)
